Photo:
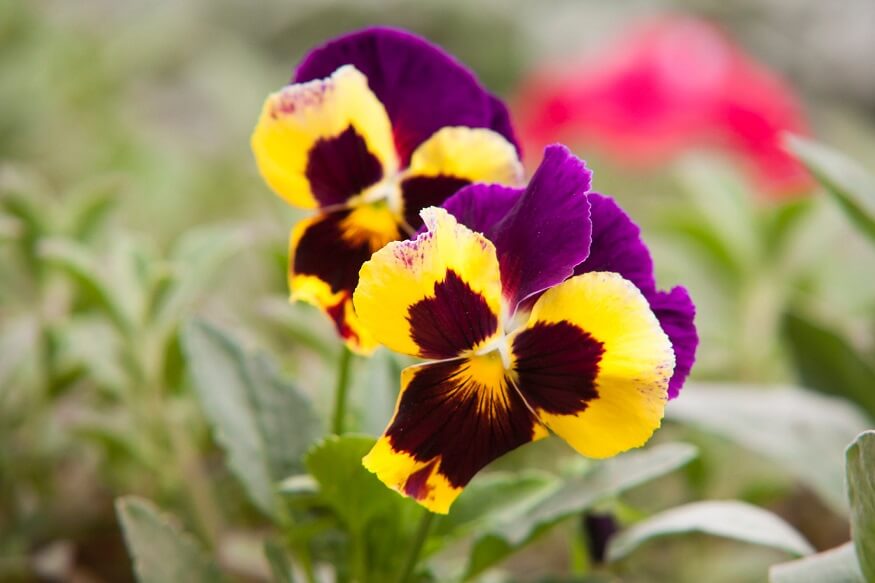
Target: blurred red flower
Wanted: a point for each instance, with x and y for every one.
(666, 87)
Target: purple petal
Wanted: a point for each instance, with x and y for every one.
(617, 246)
(546, 233)
(676, 313)
(480, 207)
(422, 87)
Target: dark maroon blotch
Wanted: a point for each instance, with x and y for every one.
(416, 485)
(341, 167)
(455, 319)
(420, 192)
(556, 366)
(439, 416)
(322, 251)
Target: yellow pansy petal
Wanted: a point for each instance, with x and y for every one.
(322, 142)
(451, 158)
(594, 364)
(436, 296)
(452, 418)
(326, 253)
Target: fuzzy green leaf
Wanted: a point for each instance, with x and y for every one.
(838, 565)
(860, 458)
(728, 519)
(522, 523)
(160, 550)
(264, 424)
(828, 363)
(800, 430)
(851, 186)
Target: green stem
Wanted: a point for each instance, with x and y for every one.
(416, 548)
(340, 390)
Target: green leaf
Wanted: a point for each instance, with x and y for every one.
(838, 565)
(92, 203)
(379, 521)
(851, 186)
(827, 362)
(78, 263)
(194, 261)
(160, 550)
(264, 424)
(860, 457)
(355, 494)
(492, 496)
(280, 566)
(522, 523)
(800, 430)
(728, 519)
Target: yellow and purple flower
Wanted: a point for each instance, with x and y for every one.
(537, 311)
(376, 126)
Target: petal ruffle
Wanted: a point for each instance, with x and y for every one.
(547, 232)
(617, 247)
(436, 296)
(452, 158)
(422, 87)
(480, 207)
(677, 313)
(594, 364)
(452, 418)
(326, 254)
(317, 144)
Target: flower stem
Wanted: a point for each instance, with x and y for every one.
(340, 390)
(416, 547)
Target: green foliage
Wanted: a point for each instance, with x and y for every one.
(798, 429)
(379, 522)
(827, 361)
(264, 424)
(853, 562)
(509, 529)
(160, 550)
(851, 186)
(861, 493)
(724, 518)
(838, 565)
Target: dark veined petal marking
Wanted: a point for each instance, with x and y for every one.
(455, 319)
(419, 192)
(341, 167)
(556, 366)
(447, 414)
(334, 246)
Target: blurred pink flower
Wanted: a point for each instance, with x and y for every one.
(665, 87)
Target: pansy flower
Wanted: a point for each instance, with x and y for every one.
(376, 126)
(533, 317)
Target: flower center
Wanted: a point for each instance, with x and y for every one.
(497, 349)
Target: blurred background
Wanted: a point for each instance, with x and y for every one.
(130, 203)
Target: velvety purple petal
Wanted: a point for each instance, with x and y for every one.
(422, 87)
(480, 207)
(617, 246)
(546, 233)
(676, 313)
